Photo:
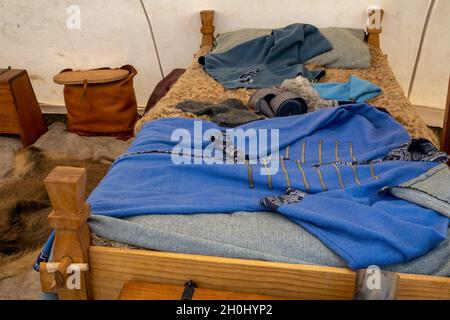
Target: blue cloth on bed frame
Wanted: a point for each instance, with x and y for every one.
(326, 153)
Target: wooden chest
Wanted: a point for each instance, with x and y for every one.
(19, 110)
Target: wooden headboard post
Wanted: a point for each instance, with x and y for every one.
(207, 30)
(375, 17)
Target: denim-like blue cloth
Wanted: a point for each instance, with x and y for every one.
(268, 60)
(247, 235)
(355, 89)
(430, 190)
(321, 155)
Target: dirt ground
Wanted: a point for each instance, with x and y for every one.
(17, 278)
(18, 281)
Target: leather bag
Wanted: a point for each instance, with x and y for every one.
(100, 101)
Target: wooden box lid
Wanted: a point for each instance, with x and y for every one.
(6, 75)
(92, 76)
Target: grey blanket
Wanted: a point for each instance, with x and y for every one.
(248, 235)
(349, 47)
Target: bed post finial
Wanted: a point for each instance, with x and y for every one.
(207, 30)
(66, 188)
(375, 17)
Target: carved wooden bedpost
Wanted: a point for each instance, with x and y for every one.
(375, 17)
(66, 189)
(207, 30)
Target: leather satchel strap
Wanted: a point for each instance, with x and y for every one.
(84, 96)
(130, 69)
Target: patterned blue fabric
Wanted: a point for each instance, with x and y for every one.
(334, 155)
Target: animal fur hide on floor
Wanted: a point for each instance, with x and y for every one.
(24, 204)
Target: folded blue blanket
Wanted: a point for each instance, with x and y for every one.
(268, 60)
(334, 155)
(246, 235)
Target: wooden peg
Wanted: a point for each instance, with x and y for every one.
(60, 273)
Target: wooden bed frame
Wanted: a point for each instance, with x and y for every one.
(104, 270)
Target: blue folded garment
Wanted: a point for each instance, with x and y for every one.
(336, 156)
(342, 173)
(268, 60)
(354, 89)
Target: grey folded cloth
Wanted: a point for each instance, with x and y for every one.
(229, 113)
(271, 102)
(246, 235)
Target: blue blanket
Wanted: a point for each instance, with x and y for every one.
(341, 172)
(268, 60)
(355, 89)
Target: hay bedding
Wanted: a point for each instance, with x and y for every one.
(196, 84)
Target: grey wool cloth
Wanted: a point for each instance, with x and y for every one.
(229, 113)
(228, 40)
(246, 235)
(349, 47)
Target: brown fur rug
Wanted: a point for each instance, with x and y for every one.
(24, 204)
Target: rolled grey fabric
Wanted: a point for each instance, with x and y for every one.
(260, 101)
(288, 104)
(272, 102)
(265, 109)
